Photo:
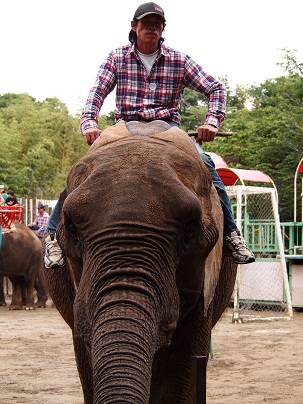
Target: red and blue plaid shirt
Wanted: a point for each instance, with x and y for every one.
(157, 95)
(41, 221)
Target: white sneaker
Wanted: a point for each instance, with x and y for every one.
(54, 257)
(240, 252)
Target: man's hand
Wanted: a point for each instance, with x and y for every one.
(206, 133)
(91, 135)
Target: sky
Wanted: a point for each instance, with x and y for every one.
(54, 48)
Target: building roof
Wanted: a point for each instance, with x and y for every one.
(230, 176)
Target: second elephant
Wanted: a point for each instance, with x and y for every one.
(21, 260)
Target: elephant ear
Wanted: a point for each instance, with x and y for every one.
(214, 260)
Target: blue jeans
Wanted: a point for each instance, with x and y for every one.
(53, 220)
(229, 221)
(41, 233)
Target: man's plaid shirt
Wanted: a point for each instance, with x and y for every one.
(155, 96)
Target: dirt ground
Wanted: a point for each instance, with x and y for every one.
(252, 363)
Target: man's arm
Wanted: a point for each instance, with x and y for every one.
(104, 84)
(215, 92)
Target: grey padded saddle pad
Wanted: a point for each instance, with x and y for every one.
(149, 128)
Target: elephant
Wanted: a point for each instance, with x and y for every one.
(21, 260)
(147, 276)
(39, 287)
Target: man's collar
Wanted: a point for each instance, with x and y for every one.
(163, 50)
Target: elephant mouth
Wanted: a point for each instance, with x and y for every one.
(166, 331)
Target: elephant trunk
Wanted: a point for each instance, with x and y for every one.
(123, 346)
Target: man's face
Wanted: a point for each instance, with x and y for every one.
(149, 29)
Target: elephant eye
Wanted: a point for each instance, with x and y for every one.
(190, 231)
(72, 229)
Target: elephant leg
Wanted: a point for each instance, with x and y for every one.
(23, 293)
(61, 289)
(41, 292)
(17, 283)
(2, 297)
(225, 286)
(30, 294)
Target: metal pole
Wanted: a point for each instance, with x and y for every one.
(295, 196)
(198, 379)
(236, 314)
(295, 191)
(282, 255)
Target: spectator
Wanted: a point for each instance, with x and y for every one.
(11, 199)
(39, 224)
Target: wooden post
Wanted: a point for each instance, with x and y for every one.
(198, 379)
(220, 134)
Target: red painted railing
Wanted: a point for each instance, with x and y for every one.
(9, 214)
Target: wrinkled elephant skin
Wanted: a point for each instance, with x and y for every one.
(141, 226)
(21, 261)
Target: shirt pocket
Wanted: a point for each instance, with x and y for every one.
(168, 91)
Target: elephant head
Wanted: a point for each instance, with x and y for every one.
(141, 226)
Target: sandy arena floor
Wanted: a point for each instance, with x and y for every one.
(253, 362)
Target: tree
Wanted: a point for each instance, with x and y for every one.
(40, 141)
(267, 125)
(268, 135)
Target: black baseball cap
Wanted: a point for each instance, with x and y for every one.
(41, 206)
(149, 8)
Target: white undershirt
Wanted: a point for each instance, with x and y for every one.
(148, 60)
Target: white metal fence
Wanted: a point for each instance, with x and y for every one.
(31, 208)
(262, 289)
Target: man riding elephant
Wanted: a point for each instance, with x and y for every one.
(150, 78)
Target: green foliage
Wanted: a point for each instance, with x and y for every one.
(267, 125)
(268, 135)
(192, 110)
(40, 142)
